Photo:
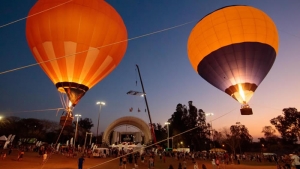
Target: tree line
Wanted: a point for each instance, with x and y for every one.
(188, 128)
(26, 129)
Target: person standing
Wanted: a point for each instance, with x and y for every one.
(80, 162)
(124, 161)
(213, 162)
(179, 165)
(21, 154)
(44, 157)
(170, 167)
(196, 165)
(295, 160)
(151, 162)
(184, 164)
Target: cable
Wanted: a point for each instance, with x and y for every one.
(37, 110)
(34, 14)
(289, 33)
(67, 117)
(74, 54)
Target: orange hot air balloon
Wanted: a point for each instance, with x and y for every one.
(234, 48)
(78, 43)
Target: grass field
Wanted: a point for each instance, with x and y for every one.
(31, 160)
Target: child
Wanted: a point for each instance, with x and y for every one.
(136, 166)
(3, 155)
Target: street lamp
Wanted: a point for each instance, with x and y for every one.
(100, 103)
(77, 116)
(210, 114)
(167, 123)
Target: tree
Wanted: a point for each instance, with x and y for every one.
(230, 140)
(84, 125)
(160, 133)
(188, 126)
(270, 137)
(268, 131)
(288, 125)
(237, 137)
(8, 125)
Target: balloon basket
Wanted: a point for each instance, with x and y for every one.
(246, 111)
(66, 120)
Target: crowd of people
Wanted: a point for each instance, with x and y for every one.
(148, 157)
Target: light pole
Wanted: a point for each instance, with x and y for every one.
(77, 116)
(167, 123)
(100, 103)
(210, 114)
(210, 130)
(91, 135)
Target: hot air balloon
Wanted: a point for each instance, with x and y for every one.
(77, 44)
(234, 48)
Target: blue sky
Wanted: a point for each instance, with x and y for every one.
(168, 77)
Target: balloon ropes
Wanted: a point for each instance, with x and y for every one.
(66, 40)
(234, 48)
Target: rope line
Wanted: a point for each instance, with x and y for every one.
(34, 14)
(38, 110)
(75, 54)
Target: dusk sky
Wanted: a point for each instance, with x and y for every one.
(167, 74)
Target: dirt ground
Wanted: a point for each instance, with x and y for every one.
(31, 160)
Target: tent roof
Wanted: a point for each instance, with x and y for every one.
(3, 138)
(217, 150)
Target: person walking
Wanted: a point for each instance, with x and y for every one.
(3, 156)
(80, 162)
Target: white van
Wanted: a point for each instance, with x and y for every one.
(100, 152)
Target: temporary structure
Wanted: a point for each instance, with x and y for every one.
(215, 150)
(3, 138)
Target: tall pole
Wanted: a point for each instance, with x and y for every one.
(148, 111)
(167, 123)
(100, 103)
(76, 115)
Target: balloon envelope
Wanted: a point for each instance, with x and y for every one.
(233, 48)
(73, 42)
